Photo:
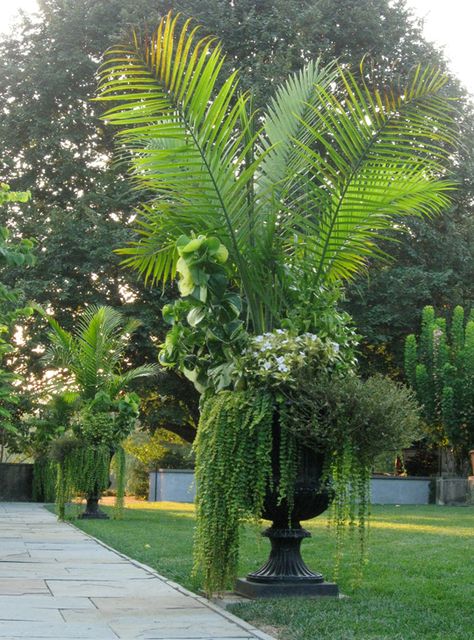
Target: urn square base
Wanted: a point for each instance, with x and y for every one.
(97, 515)
(250, 589)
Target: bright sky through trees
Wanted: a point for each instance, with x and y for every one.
(448, 24)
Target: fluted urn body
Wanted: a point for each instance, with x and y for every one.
(285, 572)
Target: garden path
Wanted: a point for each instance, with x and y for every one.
(58, 583)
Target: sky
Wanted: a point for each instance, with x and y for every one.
(448, 23)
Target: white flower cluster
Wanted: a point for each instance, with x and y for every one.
(278, 355)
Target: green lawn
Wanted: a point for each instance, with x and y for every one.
(418, 584)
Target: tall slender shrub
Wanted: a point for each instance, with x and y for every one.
(439, 365)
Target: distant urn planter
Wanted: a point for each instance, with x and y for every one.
(92, 511)
(285, 572)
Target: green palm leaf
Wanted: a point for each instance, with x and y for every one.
(93, 354)
(370, 159)
(180, 131)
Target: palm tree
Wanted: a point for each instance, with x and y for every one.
(300, 194)
(93, 354)
(92, 357)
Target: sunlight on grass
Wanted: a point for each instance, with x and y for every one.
(423, 528)
(416, 583)
(162, 506)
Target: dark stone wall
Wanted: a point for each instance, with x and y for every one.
(16, 482)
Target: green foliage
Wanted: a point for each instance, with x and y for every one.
(120, 470)
(207, 330)
(82, 470)
(104, 421)
(278, 360)
(444, 377)
(92, 358)
(138, 479)
(160, 450)
(274, 235)
(233, 469)
(352, 421)
(44, 480)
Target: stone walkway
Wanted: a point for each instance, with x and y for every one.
(57, 582)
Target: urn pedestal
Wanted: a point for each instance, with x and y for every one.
(92, 511)
(285, 572)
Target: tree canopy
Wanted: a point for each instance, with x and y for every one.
(54, 144)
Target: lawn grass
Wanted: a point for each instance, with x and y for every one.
(418, 584)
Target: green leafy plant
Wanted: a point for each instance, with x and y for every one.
(439, 365)
(104, 415)
(277, 209)
(237, 426)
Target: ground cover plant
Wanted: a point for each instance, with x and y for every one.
(417, 585)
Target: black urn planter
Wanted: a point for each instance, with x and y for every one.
(285, 572)
(92, 511)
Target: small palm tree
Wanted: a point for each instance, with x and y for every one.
(92, 357)
(299, 194)
(93, 354)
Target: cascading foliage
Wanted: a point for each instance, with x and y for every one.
(237, 427)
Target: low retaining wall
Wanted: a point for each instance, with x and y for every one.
(453, 491)
(16, 482)
(172, 485)
(393, 490)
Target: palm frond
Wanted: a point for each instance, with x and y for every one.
(371, 160)
(93, 354)
(180, 131)
(288, 115)
(118, 382)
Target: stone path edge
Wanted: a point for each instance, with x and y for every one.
(257, 633)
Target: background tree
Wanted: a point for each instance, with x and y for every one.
(53, 142)
(11, 310)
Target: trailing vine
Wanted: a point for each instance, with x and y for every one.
(81, 470)
(233, 472)
(84, 457)
(120, 468)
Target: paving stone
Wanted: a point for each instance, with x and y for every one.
(62, 631)
(58, 583)
(145, 605)
(9, 603)
(21, 586)
(32, 614)
(94, 588)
